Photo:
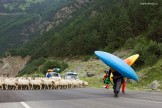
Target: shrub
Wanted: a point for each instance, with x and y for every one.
(154, 49)
(149, 52)
(86, 58)
(54, 64)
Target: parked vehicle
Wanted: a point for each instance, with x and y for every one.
(55, 75)
(71, 75)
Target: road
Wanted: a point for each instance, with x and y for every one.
(78, 98)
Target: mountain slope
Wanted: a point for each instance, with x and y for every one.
(106, 25)
(24, 20)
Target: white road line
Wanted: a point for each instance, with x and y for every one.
(142, 100)
(25, 105)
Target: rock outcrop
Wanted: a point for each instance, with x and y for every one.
(154, 85)
(10, 66)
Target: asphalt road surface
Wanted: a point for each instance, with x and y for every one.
(78, 98)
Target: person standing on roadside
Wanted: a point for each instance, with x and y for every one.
(106, 79)
(48, 75)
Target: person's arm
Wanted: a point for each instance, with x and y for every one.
(109, 73)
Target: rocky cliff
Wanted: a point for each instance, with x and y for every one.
(10, 66)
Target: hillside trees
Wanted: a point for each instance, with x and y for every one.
(107, 30)
(155, 27)
(21, 21)
(118, 28)
(141, 14)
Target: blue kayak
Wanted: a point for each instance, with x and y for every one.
(117, 64)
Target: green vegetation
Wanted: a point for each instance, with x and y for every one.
(149, 51)
(54, 64)
(24, 20)
(10, 30)
(147, 75)
(22, 5)
(93, 81)
(114, 24)
(40, 66)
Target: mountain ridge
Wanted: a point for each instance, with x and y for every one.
(29, 24)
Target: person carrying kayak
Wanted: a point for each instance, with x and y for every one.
(117, 79)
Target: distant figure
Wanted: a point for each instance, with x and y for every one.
(48, 75)
(106, 79)
(118, 80)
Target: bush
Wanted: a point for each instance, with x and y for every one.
(86, 58)
(154, 49)
(54, 64)
(149, 52)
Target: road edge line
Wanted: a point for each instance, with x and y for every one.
(25, 105)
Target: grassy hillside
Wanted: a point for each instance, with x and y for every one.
(149, 74)
(146, 74)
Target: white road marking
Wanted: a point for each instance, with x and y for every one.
(142, 100)
(25, 105)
